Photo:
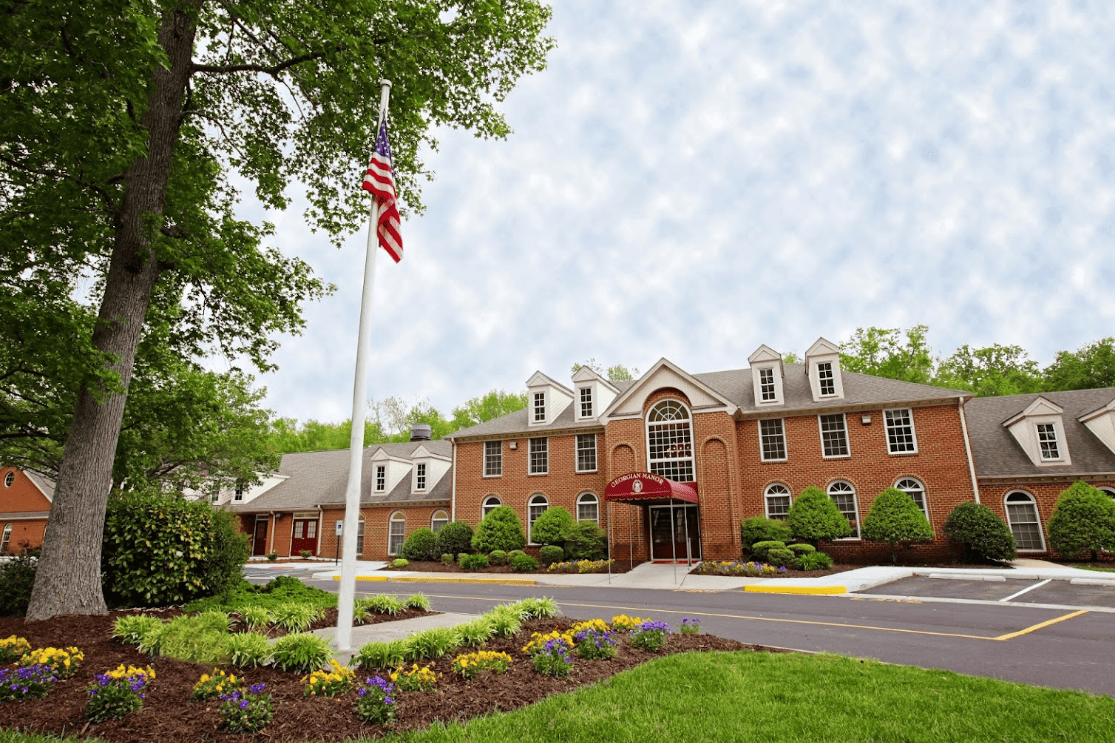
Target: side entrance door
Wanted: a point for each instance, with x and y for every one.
(259, 542)
(304, 537)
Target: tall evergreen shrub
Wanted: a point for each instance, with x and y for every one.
(551, 526)
(894, 518)
(983, 535)
(814, 517)
(1083, 522)
(454, 538)
(499, 530)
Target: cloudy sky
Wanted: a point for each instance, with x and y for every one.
(691, 180)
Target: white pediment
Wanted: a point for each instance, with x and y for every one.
(1102, 424)
(822, 347)
(665, 374)
(763, 354)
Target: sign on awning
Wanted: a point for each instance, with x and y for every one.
(646, 486)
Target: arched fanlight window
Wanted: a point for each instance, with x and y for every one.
(535, 508)
(490, 504)
(9, 479)
(844, 496)
(916, 491)
(777, 499)
(396, 532)
(1022, 517)
(588, 508)
(439, 519)
(670, 441)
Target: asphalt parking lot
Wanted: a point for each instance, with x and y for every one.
(1077, 593)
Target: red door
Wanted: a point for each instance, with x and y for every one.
(259, 544)
(304, 537)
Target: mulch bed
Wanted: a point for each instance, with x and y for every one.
(169, 717)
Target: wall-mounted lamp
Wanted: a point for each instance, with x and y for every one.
(512, 445)
(865, 420)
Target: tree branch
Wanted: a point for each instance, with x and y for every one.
(272, 71)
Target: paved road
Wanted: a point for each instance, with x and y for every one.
(1068, 648)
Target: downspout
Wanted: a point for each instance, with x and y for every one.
(453, 474)
(968, 447)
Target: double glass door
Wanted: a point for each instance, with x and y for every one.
(675, 531)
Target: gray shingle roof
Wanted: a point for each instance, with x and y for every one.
(517, 422)
(997, 454)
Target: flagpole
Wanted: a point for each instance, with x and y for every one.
(346, 596)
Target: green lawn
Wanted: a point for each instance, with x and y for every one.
(1091, 567)
(787, 697)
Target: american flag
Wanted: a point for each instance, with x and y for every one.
(380, 182)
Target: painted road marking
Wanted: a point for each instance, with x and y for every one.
(1024, 590)
(1040, 625)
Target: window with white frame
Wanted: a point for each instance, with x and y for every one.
(9, 479)
(900, 431)
(778, 500)
(215, 497)
(360, 537)
(535, 508)
(834, 435)
(844, 496)
(539, 456)
(826, 381)
(1022, 517)
(381, 477)
(772, 440)
(766, 385)
(1047, 441)
(539, 407)
(439, 519)
(588, 508)
(239, 494)
(490, 504)
(916, 491)
(396, 532)
(586, 452)
(586, 402)
(6, 538)
(493, 458)
(420, 476)
(670, 441)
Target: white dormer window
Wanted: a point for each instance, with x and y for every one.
(1047, 441)
(381, 477)
(766, 375)
(539, 407)
(766, 385)
(239, 494)
(586, 402)
(826, 382)
(1040, 431)
(822, 364)
(420, 477)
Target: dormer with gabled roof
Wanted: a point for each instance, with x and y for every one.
(1101, 422)
(546, 399)
(766, 376)
(666, 374)
(387, 471)
(594, 394)
(822, 364)
(1040, 431)
(427, 469)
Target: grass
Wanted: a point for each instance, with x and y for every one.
(1093, 567)
(281, 590)
(763, 697)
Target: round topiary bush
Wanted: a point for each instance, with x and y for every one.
(523, 563)
(780, 557)
(894, 518)
(500, 530)
(448, 558)
(551, 526)
(1083, 522)
(813, 561)
(498, 557)
(801, 548)
(983, 535)
(762, 529)
(814, 517)
(422, 544)
(513, 554)
(454, 538)
(550, 554)
(585, 540)
(759, 550)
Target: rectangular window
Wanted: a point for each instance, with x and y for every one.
(586, 452)
(900, 431)
(493, 458)
(360, 537)
(381, 477)
(766, 384)
(825, 380)
(420, 476)
(239, 494)
(1047, 440)
(298, 526)
(539, 407)
(539, 456)
(311, 529)
(586, 402)
(834, 435)
(772, 438)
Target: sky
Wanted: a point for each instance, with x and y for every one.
(690, 180)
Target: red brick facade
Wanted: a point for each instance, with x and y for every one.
(23, 509)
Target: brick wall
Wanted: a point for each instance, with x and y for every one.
(22, 496)
(1045, 493)
(376, 520)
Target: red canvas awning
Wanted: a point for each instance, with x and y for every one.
(645, 486)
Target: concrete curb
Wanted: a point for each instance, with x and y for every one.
(804, 590)
(420, 579)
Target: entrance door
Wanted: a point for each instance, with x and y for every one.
(305, 536)
(666, 537)
(259, 543)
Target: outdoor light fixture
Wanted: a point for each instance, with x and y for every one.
(865, 420)
(512, 445)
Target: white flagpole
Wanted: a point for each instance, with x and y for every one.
(346, 597)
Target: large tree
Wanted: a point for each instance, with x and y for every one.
(122, 124)
(1088, 367)
(994, 370)
(882, 352)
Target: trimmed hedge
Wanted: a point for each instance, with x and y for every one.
(1083, 522)
(759, 550)
(523, 563)
(550, 554)
(585, 540)
(814, 517)
(551, 526)
(894, 518)
(454, 538)
(500, 530)
(762, 529)
(422, 544)
(983, 535)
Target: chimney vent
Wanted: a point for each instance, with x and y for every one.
(420, 432)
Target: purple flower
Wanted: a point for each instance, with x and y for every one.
(362, 692)
(257, 688)
(244, 704)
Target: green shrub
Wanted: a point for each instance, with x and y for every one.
(813, 561)
(306, 554)
(513, 554)
(448, 559)
(378, 655)
(272, 556)
(550, 554)
(585, 540)
(197, 639)
(454, 538)
(498, 557)
(472, 562)
(432, 643)
(400, 562)
(538, 607)
(381, 603)
(417, 601)
(814, 517)
(255, 617)
(505, 620)
(301, 652)
(523, 563)
(131, 628)
(295, 617)
(500, 530)
(759, 550)
(894, 518)
(1083, 522)
(475, 633)
(550, 527)
(248, 650)
(762, 529)
(17, 577)
(780, 557)
(982, 533)
(422, 544)
(160, 550)
(801, 548)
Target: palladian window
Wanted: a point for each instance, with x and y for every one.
(670, 441)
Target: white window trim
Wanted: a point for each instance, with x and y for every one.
(487, 500)
(9, 479)
(692, 459)
(832, 378)
(1057, 441)
(5, 538)
(913, 432)
(238, 494)
(767, 494)
(375, 475)
(924, 496)
(1033, 502)
(536, 499)
(484, 464)
(534, 408)
(530, 455)
(577, 452)
(591, 403)
(433, 518)
(391, 521)
(583, 498)
(1106, 490)
(785, 441)
(855, 504)
(773, 386)
(421, 477)
(821, 434)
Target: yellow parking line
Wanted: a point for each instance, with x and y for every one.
(1038, 626)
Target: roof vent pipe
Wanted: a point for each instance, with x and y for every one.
(420, 432)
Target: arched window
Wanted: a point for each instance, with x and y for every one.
(844, 496)
(438, 520)
(1109, 492)
(535, 508)
(396, 532)
(8, 480)
(5, 539)
(916, 491)
(1022, 517)
(491, 503)
(670, 441)
(588, 508)
(777, 498)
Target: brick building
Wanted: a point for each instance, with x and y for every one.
(25, 499)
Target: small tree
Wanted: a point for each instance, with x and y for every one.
(551, 526)
(894, 518)
(1083, 522)
(761, 529)
(500, 530)
(454, 538)
(585, 540)
(814, 517)
(983, 534)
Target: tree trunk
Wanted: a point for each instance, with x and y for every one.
(68, 579)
